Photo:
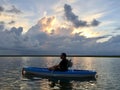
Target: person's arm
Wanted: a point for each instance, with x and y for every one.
(54, 67)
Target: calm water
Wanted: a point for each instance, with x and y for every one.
(107, 70)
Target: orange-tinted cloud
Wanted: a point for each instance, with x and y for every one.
(47, 24)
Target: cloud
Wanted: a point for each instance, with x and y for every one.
(111, 47)
(95, 23)
(2, 22)
(11, 22)
(36, 41)
(70, 16)
(17, 31)
(74, 44)
(51, 26)
(117, 28)
(7, 39)
(50, 36)
(14, 41)
(47, 23)
(14, 10)
(2, 25)
(12, 16)
(1, 9)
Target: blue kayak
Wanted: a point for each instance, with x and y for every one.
(44, 72)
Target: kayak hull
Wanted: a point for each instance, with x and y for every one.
(44, 72)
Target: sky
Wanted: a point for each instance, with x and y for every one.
(77, 27)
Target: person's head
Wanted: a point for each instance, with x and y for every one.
(63, 56)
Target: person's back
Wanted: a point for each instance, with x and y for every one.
(63, 65)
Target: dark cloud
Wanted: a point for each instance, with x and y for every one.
(95, 23)
(117, 28)
(1, 9)
(17, 31)
(14, 10)
(2, 22)
(75, 20)
(72, 17)
(2, 25)
(11, 22)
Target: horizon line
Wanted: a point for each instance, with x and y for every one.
(48, 55)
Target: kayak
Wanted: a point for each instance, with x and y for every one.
(45, 72)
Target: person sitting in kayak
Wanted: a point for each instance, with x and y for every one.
(62, 66)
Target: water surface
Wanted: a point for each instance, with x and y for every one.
(107, 70)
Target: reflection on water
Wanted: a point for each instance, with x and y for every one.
(61, 85)
(107, 70)
(83, 63)
(55, 84)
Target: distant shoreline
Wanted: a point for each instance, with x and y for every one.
(59, 55)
